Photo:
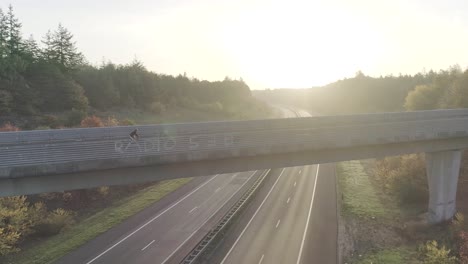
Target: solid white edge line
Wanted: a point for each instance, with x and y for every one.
(308, 217)
(261, 259)
(193, 233)
(151, 220)
(148, 245)
(251, 219)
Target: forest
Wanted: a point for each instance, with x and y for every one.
(52, 76)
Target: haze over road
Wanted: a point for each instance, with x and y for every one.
(294, 222)
(164, 234)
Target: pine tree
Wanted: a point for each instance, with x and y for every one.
(48, 53)
(3, 34)
(13, 28)
(31, 49)
(65, 50)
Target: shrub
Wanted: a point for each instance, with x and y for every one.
(111, 121)
(404, 176)
(91, 121)
(55, 222)
(42, 128)
(127, 122)
(157, 107)
(8, 127)
(14, 222)
(431, 253)
(50, 121)
(215, 107)
(74, 117)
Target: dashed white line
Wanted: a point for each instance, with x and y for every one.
(207, 219)
(300, 171)
(277, 223)
(147, 245)
(251, 219)
(151, 220)
(289, 198)
(217, 190)
(195, 208)
(261, 259)
(308, 218)
(295, 184)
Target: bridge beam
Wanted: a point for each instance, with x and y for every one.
(442, 169)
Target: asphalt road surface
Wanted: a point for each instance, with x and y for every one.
(165, 234)
(293, 220)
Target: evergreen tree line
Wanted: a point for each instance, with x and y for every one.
(53, 76)
(365, 94)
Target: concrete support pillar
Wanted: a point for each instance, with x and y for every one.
(442, 169)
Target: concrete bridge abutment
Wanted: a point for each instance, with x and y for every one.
(442, 169)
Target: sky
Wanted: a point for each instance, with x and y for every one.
(267, 43)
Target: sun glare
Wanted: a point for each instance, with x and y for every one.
(298, 46)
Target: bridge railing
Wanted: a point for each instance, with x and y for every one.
(72, 150)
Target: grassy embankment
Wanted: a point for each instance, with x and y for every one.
(373, 221)
(86, 229)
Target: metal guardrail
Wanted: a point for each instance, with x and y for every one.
(221, 225)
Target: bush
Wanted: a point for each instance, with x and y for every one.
(157, 107)
(50, 121)
(127, 122)
(15, 222)
(8, 127)
(55, 222)
(404, 176)
(91, 121)
(215, 107)
(111, 121)
(74, 117)
(431, 254)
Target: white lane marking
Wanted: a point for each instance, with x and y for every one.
(277, 223)
(300, 171)
(251, 219)
(289, 198)
(152, 219)
(195, 208)
(213, 194)
(193, 233)
(308, 217)
(261, 259)
(295, 184)
(147, 245)
(234, 175)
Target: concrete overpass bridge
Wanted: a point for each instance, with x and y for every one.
(56, 160)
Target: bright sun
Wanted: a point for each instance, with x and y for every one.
(293, 46)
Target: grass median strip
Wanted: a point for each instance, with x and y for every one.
(359, 196)
(87, 229)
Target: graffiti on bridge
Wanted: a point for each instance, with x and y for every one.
(181, 143)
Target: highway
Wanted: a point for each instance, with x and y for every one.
(292, 221)
(165, 234)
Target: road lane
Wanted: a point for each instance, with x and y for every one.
(262, 239)
(296, 222)
(165, 232)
